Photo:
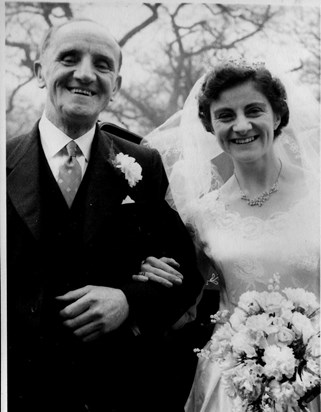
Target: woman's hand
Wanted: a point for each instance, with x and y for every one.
(160, 270)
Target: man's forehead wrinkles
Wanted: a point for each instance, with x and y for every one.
(93, 49)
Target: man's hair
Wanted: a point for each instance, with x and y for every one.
(46, 41)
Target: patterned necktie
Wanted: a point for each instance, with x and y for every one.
(69, 177)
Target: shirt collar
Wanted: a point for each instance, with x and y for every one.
(53, 139)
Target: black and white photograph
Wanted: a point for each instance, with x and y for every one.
(160, 206)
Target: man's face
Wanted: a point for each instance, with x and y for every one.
(80, 71)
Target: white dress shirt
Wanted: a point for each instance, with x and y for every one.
(53, 140)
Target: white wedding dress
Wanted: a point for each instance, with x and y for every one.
(247, 251)
(246, 248)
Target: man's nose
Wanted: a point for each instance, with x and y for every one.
(85, 70)
(242, 124)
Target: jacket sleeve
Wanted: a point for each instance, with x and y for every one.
(154, 307)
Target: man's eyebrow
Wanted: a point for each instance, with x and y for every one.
(65, 52)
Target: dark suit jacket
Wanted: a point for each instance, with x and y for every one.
(99, 241)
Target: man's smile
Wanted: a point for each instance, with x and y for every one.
(81, 91)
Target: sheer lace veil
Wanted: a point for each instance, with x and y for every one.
(195, 164)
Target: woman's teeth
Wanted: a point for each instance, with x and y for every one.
(244, 141)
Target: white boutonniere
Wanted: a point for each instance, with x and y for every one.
(131, 169)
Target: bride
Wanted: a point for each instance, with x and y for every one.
(259, 218)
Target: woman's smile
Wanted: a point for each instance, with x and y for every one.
(244, 140)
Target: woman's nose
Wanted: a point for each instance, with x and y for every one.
(85, 70)
(242, 124)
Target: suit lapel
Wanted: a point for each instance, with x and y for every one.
(23, 183)
(106, 186)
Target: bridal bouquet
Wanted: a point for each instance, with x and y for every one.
(269, 349)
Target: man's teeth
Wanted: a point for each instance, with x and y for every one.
(81, 91)
(243, 141)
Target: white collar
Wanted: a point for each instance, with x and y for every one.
(53, 139)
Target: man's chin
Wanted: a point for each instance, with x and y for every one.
(81, 116)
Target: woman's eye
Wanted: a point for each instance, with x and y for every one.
(254, 111)
(225, 117)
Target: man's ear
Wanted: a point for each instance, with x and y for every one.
(37, 66)
(117, 86)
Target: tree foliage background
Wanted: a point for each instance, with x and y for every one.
(166, 48)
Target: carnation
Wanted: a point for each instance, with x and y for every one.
(284, 393)
(131, 169)
(262, 322)
(250, 302)
(246, 378)
(242, 343)
(274, 302)
(302, 299)
(308, 380)
(279, 361)
(303, 326)
(313, 347)
(238, 318)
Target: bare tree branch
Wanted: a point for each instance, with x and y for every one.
(10, 104)
(141, 26)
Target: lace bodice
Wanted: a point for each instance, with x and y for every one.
(248, 250)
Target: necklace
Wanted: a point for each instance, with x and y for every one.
(264, 196)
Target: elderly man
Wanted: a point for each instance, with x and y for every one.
(85, 208)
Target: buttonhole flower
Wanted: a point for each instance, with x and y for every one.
(131, 169)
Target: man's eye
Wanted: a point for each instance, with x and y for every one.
(68, 60)
(102, 65)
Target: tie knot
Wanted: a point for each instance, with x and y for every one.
(72, 149)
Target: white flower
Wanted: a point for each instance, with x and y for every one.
(131, 169)
(301, 298)
(242, 343)
(284, 393)
(314, 366)
(262, 322)
(279, 361)
(308, 380)
(274, 302)
(314, 346)
(250, 302)
(285, 335)
(238, 318)
(220, 344)
(302, 325)
(245, 380)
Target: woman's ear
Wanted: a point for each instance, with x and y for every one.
(39, 75)
(277, 121)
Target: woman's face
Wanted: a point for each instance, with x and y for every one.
(244, 122)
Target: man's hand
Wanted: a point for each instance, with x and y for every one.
(93, 311)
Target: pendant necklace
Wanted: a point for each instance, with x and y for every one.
(264, 196)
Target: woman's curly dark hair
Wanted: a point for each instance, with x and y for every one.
(230, 74)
